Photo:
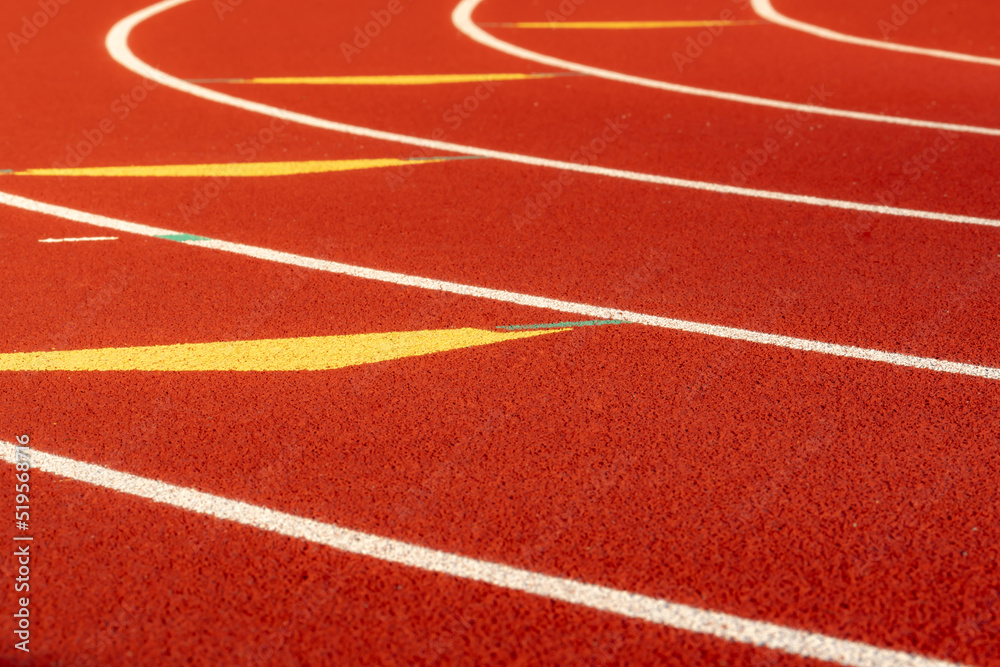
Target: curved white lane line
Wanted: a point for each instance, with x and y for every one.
(766, 10)
(117, 46)
(601, 598)
(462, 18)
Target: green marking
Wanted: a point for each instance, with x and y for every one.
(560, 325)
(183, 237)
(6, 171)
(447, 157)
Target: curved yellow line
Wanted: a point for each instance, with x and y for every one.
(622, 25)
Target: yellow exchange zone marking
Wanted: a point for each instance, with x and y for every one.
(393, 79)
(236, 170)
(617, 25)
(317, 353)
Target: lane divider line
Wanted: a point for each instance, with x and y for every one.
(588, 323)
(616, 25)
(117, 46)
(601, 598)
(766, 10)
(593, 312)
(80, 238)
(461, 17)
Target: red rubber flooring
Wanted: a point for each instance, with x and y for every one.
(852, 499)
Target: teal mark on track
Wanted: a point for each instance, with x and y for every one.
(6, 171)
(183, 237)
(445, 158)
(560, 325)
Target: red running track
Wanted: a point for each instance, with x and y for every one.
(850, 498)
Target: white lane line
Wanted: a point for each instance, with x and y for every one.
(592, 312)
(462, 18)
(601, 598)
(117, 45)
(81, 238)
(766, 10)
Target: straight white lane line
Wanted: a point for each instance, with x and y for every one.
(462, 18)
(592, 312)
(81, 238)
(632, 605)
(766, 10)
(117, 46)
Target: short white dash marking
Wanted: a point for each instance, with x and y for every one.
(590, 311)
(81, 238)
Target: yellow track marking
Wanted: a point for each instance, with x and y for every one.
(237, 169)
(286, 354)
(622, 25)
(393, 80)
